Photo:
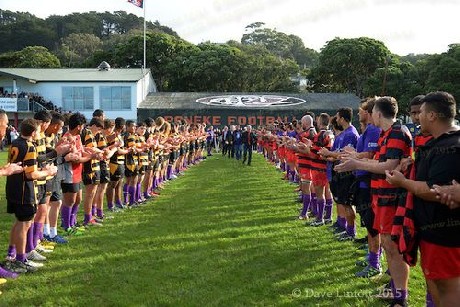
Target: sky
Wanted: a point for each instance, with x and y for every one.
(404, 26)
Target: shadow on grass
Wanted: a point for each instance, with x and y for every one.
(209, 239)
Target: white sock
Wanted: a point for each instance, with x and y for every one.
(53, 232)
(46, 229)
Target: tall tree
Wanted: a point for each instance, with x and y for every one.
(30, 57)
(345, 65)
(76, 48)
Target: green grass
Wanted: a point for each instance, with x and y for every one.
(224, 234)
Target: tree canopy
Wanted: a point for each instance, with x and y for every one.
(263, 60)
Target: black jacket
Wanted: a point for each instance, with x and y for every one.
(252, 139)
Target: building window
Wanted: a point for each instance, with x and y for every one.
(115, 98)
(76, 98)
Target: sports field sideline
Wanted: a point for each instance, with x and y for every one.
(223, 234)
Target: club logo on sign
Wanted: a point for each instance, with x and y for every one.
(250, 101)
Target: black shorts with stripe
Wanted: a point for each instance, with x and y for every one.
(92, 178)
(23, 212)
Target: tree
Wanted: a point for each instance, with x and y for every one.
(30, 57)
(345, 65)
(280, 44)
(18, 30)
(76, 48)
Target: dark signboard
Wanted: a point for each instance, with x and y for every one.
(240, 108)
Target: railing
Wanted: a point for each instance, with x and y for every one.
(24, 105)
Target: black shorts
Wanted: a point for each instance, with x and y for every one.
(342, 185)
(23, 212)
(92, 178)
(41, 194)
(105, 174)
(56, 191)
(131, 173)
(70, 187)
(141, 170)
(181, 152)
(367, 220)
(49, 186)
(156, 165)
(362, 199)
(117, 171)
(173, 157)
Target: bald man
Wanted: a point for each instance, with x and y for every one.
(302, 150)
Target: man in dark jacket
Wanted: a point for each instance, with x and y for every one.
(227, 141)
(249, 139)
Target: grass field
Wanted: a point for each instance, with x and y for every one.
(223, 234)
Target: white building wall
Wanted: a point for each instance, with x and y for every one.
(52, 91)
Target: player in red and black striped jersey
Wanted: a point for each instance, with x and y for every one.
(21, 193)
(394, 144)
(438, 225)
(323, 139)
(302, 149)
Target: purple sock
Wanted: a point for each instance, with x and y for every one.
(87, 219)
(146, 194)
(138, 192)
(288, 170)
(343, 222)
(30, 239)
(110, 205)
(131, 192)
(125, 193)
(374, 260)
(328, 210)
(73, 216)
(99, 212)
(320, 204)
(12, 251)
(93, 210)
(314, 204)
(169, 172)
(37, 227)
(400, 294)
(65, 216)
(7, 274)
(351, 230)
(306, 204)
(429, 300)
(21, 257)
(392, 285)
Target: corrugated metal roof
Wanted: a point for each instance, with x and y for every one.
(76, 74)
(249, 101)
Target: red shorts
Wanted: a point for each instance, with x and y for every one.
(281, 152)
(305, 174)
(439, 262)
(319, 178)
(290, 156)
(384, 215)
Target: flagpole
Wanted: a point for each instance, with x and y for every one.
(145, 26)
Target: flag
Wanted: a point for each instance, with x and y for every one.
(139, 3)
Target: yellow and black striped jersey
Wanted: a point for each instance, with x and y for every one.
(142, 156)
(40, 147)
(19, 189)
(116, 158)
(89, 141)
(131, 159)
